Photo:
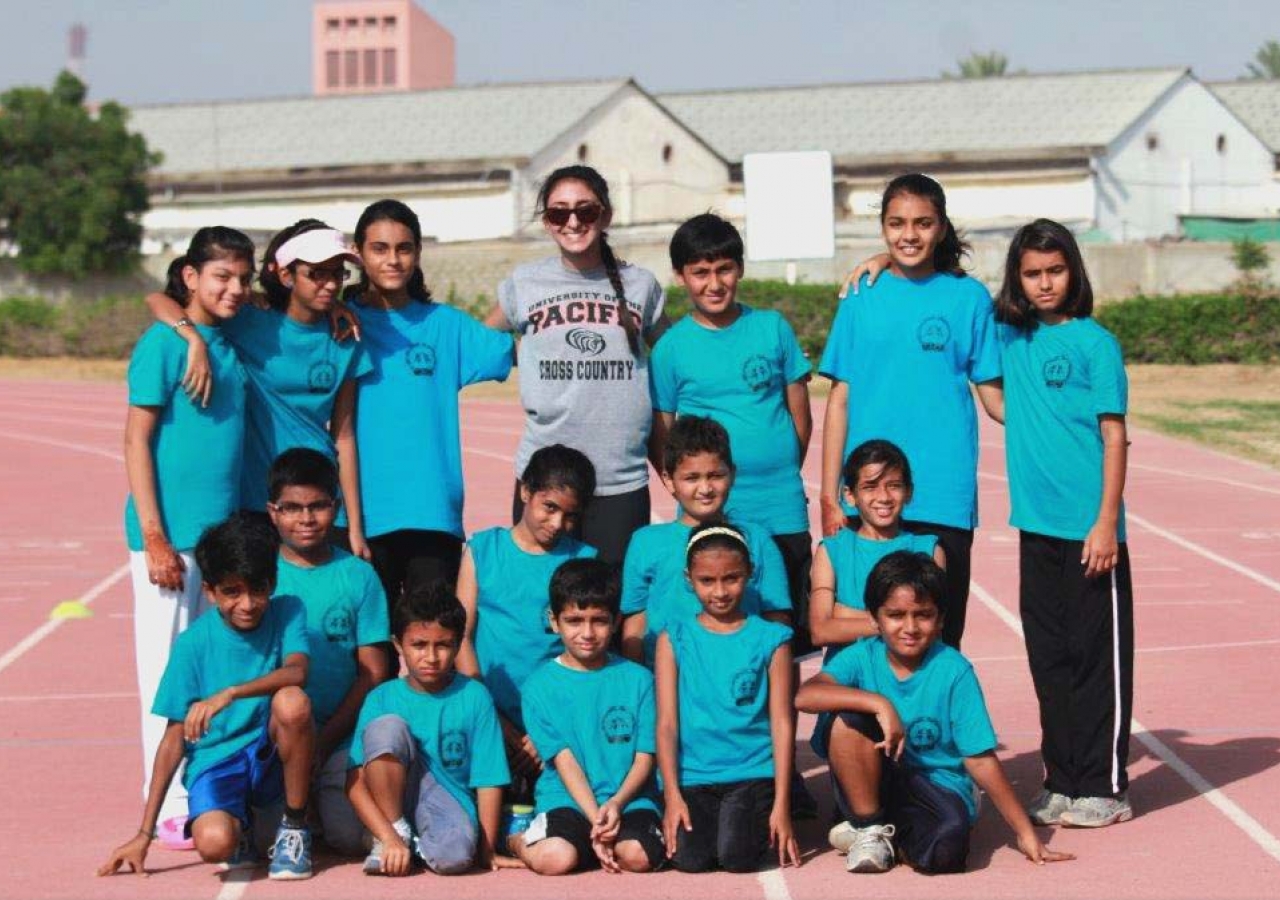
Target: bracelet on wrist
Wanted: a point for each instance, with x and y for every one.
(183, 321)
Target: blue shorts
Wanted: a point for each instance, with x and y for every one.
(251, 777)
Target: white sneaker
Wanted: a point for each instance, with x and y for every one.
(1097, 812)
(867, 849)
(1047, 807)
(373, 862)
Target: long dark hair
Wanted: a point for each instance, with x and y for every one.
(946, 256)
(597, 185)
(213, 242)
(1046, 236)
(400, 213)
(269, 277)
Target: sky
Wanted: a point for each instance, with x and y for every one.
(167, 51)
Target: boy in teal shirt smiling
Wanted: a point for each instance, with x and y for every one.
(238, 715)
(591, 716)
(347, 626)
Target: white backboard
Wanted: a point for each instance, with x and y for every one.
(790, 207)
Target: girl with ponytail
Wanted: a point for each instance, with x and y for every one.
(901, 356)
(584, 320)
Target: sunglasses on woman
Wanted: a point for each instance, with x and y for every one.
(587, 213)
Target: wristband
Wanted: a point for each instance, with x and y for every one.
(183, 321)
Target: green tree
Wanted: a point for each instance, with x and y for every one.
(72, 184)
(980, 65)
(1251, 260)
(1267, 61)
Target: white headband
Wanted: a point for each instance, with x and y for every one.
(711, 532)
(315, 247)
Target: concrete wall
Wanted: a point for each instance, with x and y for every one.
(996, 199)
(1169, 162)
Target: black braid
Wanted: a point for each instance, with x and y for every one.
(615, 278)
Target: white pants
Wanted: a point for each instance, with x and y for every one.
(159, 616)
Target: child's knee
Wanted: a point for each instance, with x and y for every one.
(448, 851)
(388, 735)
(946, 852)
(552, 856)
(215, 835)
(631, 856)
(291, 708)
(741, 859)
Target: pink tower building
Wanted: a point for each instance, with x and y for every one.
(369, 46)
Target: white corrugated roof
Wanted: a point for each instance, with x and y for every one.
(991, 117)
(1257, 104)
(487, 122)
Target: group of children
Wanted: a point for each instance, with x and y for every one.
(648, 710)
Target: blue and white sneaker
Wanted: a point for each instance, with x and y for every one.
(290, 854)
(245, 857)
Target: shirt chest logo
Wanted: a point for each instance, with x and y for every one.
(924, 734)
(584, 340)
(337, 624)
(420, 359)
(618, 725)
(321, 377)
(1056, 370)
(453, 749)
(933, 334)
(746, 683)
(757, 372)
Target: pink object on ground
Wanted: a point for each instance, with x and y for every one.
(170, 834)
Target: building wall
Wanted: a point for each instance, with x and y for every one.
(385, 36)
(458, 215)
(1186, 154)
(998, 199)
(657, 171)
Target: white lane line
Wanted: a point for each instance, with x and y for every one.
(1234, 813)
(18, 650)
(488, 454)
(774, 884)
(1205, 552)
(1202, 477)
(40, 698)
(54, 420)
(63, 445)
(234, 884)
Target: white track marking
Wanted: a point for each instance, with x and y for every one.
(47, 628)
(53, 420)
(64, 445)
(1202, 477)
(40, 698)
(234, 884)
(774, 884)
(1206, 553)
(1234, 813)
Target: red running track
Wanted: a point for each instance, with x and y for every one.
(1205, 541)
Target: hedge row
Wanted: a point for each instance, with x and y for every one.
(1188, 329)
(1191, 329)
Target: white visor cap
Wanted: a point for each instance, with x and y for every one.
(315, 247)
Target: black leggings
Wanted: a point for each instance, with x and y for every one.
(608, 522)
(411, 556)
(957, 544)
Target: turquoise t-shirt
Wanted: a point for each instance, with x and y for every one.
(456, 731)
(407, 429)
(653, 580)
(940, 705)
(513, 633)
(603, 717)
(1058, 380)
(908, 351)
(853, 557)
(211, 656)
(346, 609)
(195, 449)
(738, 376)
(295, 372)
(723, 689)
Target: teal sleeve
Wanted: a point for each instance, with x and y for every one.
(488, 757)
(971, 726)
(370, 710)
(637, 576)
(775, 593)
(647, 717)
(179, 685)
(844, 668)
(795, 365)
(663, 379)
(484, 354)
(361, 363)
(293, 637)
(539, 721)
(372, 625)
(1108, 383)
(984, 359)
(152, 377)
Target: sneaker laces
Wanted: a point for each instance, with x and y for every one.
(872, 837)
(291, 845)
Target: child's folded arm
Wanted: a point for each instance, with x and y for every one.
(133, 852)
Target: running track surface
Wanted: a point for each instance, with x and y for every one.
(1205, 540)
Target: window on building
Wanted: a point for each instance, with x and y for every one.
(666, 153)
(331, 68)
(1153, 141)
(389, 66)
(332, 25)
(370, 72)
(351, 67)
(352, 24)
(582, 153)
(389, 24)
(1221, 143)
(370, 24)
